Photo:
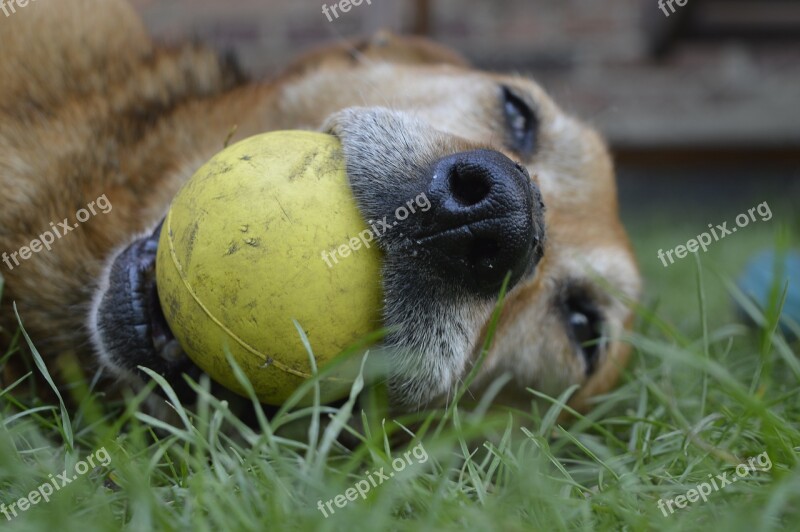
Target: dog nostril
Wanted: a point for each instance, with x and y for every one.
(469, 184)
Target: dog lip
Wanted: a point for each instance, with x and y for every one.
(483, 255)
(132, 292)
(426, 237)
(131, 318)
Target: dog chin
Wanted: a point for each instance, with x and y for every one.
(432, 343)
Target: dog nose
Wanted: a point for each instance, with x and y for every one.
(486, 219)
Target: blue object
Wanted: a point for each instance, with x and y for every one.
(759, 277)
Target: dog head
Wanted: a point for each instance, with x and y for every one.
(515, 186)
(496, 182)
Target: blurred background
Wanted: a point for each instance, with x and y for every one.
(701, 107)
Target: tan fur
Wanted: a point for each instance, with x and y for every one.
(90, 106)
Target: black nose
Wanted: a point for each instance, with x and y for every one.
(485, 220)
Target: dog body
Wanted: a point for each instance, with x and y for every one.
(92, 108)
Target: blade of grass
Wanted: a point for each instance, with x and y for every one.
(66, 424)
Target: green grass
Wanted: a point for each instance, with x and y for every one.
(703, 394)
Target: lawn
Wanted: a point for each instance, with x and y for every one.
(703, 395)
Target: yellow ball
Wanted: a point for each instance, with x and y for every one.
(240, 257)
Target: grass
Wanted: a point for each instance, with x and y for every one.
(703, 394)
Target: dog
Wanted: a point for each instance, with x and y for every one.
(519, 190)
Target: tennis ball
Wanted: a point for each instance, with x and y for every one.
(240, 256)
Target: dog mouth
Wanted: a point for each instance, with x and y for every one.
(131, 322)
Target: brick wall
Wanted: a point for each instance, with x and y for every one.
(592, 55)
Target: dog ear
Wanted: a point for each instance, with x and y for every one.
(383, 46)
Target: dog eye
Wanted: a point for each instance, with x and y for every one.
(585, 327)
(586, 331)
(521, 122)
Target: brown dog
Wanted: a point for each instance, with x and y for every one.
(92, 110)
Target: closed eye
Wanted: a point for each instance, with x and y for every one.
(521, 122)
